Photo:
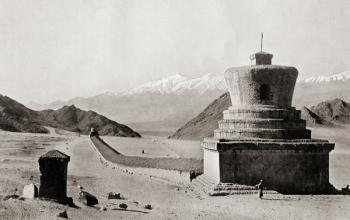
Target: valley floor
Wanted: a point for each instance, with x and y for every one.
(19, 154)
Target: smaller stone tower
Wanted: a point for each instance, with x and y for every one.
(261, 136)
(53, 179)
(261, 58)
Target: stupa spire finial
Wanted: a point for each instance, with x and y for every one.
(261, 41)
(261, 57)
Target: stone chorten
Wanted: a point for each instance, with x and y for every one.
(263, 137)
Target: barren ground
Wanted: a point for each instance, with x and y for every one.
(19, 154)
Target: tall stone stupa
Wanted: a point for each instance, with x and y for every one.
(262, 137)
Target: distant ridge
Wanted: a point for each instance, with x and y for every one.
(18, 118)
(313, 90)
(343, 76)
(179, 84)
(160, 106)
(72, 118)
(163, 106)
(336, 111)
(204, 124)
(313, 120)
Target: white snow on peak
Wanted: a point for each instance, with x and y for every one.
(179, 84)
(202, 84)
(343, 76)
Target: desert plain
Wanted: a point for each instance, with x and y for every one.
(19, 153)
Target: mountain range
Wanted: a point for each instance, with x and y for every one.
(162, 105)
(16, 117)
(166, 104)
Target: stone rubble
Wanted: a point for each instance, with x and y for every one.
(63, 214)
(87, 198)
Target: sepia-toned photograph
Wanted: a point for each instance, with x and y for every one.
(175, 109)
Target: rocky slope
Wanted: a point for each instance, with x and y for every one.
(336, 111)
(16, 117)
(314, 120)
(74, 119)
(204, 124)
(330, 113)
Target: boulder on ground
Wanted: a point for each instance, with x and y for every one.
(123, 206)
(103, 208)
(87, 198)
(113, 195)
(12, 196)
(345, 190)
(63, 214)
(30, 191)
(148, 206)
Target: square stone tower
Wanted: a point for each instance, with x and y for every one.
(53, 178)
(263, 137)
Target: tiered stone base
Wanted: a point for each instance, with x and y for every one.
(212, 188)
(261, 121)
(299, 166)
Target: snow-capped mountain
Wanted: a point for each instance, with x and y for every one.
(343, 76)
(164, 103)
(179, 84)
(167, 103)
(313, 90)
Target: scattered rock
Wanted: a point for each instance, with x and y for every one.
(113, 195)
(103, 208)
(63, 214)
(70, 202)
(13, 196)
(30, 191)
(148, 206)
(87, 198)
(345, 190)
(123, 206)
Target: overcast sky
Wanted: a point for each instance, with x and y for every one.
(59, 49)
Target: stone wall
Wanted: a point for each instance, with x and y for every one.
(174, 176)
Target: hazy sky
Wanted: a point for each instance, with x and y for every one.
(59, 49)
